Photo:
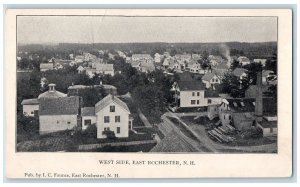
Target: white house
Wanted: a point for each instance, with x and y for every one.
(30, 107)
(46, 66)
(209, 79)
(157, 58)
(190, 94)
(59, 114)
(79, 58)
(88, 117)
(106, 69)
(261, 61)
(243, 60)
(112, 117)
(80, 69)
(139, 57)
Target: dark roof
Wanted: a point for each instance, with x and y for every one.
(88, 111)
(211, 93)
(191, 85)
(248, 105)
(242, 104)
(30, 102)
(59, 106)
(109, 99)
(268, 124)
(208, 76)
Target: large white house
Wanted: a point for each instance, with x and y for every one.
(112, 117)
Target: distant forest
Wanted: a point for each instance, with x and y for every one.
(251, 50)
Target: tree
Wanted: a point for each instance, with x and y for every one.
(271, 63)
(91, 96)
(234, 86)
(173, 52)
(253, 68)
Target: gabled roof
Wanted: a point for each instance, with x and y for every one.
(34, 101)
(88, 111)
(59, 106)
(211, 93)
(243, 59)
(220, 72)
(239, 71)
(208, 76)
(190, 85)
(265, 73)
(248, 105)
(108, 100)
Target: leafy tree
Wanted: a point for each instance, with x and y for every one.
(253, 68)
(234, 86)
(91, 96)
(271, 63)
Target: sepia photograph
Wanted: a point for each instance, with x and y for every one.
(146, 84)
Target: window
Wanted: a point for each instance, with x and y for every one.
(193, 102)
(271, 130)
(112, 108)
(57, 122)
(197, 102)
(213, 80)
(106, 119)
(224, 116)
(31, 112)
(193, 93)
(117, 119)
(87, 122)
(118, 130)
(229, 117)
(69, 122)
(106, 128)
(209, 101)
(198, 93)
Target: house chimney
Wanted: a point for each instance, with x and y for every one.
(259, 99)
(51, 87)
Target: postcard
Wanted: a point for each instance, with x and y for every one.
(148, 93)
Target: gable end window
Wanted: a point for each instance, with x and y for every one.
(112, 108)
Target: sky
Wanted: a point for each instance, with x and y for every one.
(109, 29)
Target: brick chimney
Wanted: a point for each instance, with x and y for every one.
(259, 99)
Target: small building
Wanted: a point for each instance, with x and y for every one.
(79, 58)
(112, 118)
(268, 77)
(260, 61)
(243, 60)
(141, 57)
(59, 114)
(268, 126)
(46, 66)
(209, 79)
(80, 69)
(106, 69)
(30, 107)
(157, 58)
(88, 117)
